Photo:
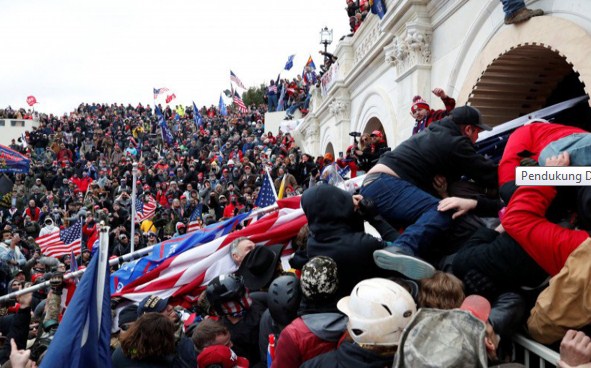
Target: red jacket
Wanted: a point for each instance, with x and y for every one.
(82, 183)
(434, 115)
(34, 213)
(534, 138)
(547, 243)
(298, 344)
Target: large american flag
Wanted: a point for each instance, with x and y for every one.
(61, 242)
(267, 195)
(196, 215)
(158, 91)
(184, 276)
(238, 101)
(235, 79)
(144, 210)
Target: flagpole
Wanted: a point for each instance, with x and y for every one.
(133, 209)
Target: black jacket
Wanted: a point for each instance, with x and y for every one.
(349, 355)
(441, 149)
(337, 231)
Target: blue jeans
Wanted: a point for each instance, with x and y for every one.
(403, 203)
(271, 103)
(512, 6)
(294, 107)
(577, 145)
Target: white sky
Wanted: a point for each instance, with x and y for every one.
(68, 52)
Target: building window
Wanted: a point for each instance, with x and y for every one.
(2, 122)
(17, 123)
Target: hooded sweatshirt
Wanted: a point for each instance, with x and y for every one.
(307, 337)
(337, 231)
(49, 227)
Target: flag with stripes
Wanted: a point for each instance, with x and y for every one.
(144, 210)
(186, 275)
(131, 271)
(158, 91)
(267, 195)
(62, 242)
(193, 220)
(235, 79)
(238, 101)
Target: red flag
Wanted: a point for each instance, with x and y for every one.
(170, 98)
(31, 100)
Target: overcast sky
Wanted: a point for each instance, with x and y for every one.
(68, 52)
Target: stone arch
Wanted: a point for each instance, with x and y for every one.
(375, 124)
(376, 108)
(538, 55)
(329, 149)
(326, 142)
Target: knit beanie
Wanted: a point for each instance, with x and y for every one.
(419, 103)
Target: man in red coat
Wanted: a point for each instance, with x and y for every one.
(525, 221)
(528, 141)
(424, 115)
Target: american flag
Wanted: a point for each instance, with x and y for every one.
(238, 101)
(61, 242)
(273, 88)
(193, 223)
(184, 276)
(144, 210)
(235, 79)
(267, 195)
(158, 91)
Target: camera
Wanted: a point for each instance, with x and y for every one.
(355, 134)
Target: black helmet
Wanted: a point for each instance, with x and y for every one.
(283, 299)
(224, 288)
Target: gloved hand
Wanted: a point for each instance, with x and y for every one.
(57, 283)
(528, 161)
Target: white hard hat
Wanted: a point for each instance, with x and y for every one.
(378, 311)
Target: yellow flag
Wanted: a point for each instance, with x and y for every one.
(282, 188)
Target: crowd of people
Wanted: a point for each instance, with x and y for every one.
(451, 223)
(462, 255)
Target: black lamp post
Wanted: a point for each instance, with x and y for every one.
(325, 37)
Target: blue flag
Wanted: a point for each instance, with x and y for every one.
(267, 194)
(83, 337)
(378, 7)
(166, 133)
(289, 62)
(197, 116)
(222, 106)
(130, 271)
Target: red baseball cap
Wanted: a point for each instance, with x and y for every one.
(222, 355)
(478, 306)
